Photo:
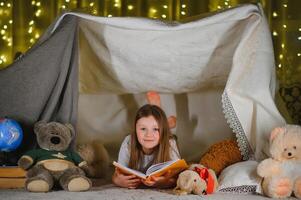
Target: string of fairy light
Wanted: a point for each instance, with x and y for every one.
(163, 9)
(33, 33)
(5, 31)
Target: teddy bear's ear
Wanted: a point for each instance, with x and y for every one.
(276, 131)
(72, 131)
(38, 126)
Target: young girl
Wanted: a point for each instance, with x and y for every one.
(150, 143)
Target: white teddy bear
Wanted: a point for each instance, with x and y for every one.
(282, 172)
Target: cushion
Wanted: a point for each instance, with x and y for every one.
(240, 177)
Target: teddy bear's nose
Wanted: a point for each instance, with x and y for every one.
(289, 154)
(55, 140)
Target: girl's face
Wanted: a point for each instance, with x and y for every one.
(148, 134)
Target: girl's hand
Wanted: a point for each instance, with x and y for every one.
(160, 182)
(126, 181)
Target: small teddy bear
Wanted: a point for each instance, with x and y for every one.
(54, 163)
(97, 158)
(282, 172)
(197, 179)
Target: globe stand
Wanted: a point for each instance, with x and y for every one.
(11, 176)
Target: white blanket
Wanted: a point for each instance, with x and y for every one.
(221, 63)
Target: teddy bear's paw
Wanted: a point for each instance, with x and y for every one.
(79, 184)
(282, 188)
(38, 185)
(180, 192)
(297, 188)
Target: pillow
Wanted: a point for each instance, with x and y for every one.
(241, 178)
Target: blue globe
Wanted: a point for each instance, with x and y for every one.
(11, 134)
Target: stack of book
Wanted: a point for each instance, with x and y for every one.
(12, 177)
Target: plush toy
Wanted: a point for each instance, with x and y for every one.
(54, 163)
(282, 171)
(220, 155)
(97, 158)
(154, 99)
(197, 179)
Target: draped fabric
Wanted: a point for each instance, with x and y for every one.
(220, 63)
(42, 84)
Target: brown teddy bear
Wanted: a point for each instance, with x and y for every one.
(197, 179)
(221, 154)
(54, 163)
(97, 158)
(282, 172)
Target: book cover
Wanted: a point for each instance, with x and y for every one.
(172, 167)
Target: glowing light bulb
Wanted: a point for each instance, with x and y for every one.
(275, 14)
(279, 65)
(3, 58)
(299, 38)
(9, 44)
(67, 1)
(275, 33)
(282, 46)
(285, 5)
(63, 7)
(38, 13)
(130, 7)
(284, 26)
(10, 21)
(183, 6)
(5, 26)
(30, 30)
(299, 54)
(110, 15)
(8, 5)
(165, 6)
(183, 13)
(33, 2)
(2, 4)
(37, 35)
(299, 29)
(2, 32)
(31, 22)
(38, 4)
(280, 56)
(117, 5)
(91, 4)
(163, 16)
(219, 7)
(153, 10)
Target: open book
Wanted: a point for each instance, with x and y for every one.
(172, 167)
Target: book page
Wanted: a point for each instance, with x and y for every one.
(127, 170)
(158, 166)
(173, 167)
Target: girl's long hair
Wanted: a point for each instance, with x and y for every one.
(161, 151)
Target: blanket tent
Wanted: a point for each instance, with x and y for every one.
(215, 73)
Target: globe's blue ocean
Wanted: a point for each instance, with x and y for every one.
(11, 134)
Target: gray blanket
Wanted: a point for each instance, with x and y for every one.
(42, 85)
